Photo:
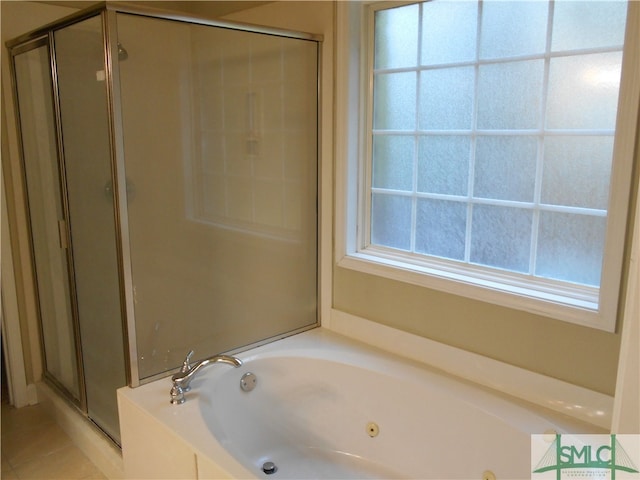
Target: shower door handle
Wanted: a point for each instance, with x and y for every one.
(62, 234)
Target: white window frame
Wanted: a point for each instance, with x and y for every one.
(588, 306)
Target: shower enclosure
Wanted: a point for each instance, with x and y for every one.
(170, 165)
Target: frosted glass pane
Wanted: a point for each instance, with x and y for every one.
(576, 171)
(268, 204)
(588, 24)
(223, 246)
(509, 95)
(296, 146)
(394, 100)
(396, 31)
(393, 162)
(213, 202)
(212, 153)
(501, 237)
(449, 31)
(240, 199)
(583, 91)
(42, 177)
(570, 247)
(212, 107)
(446, 98)
(505, 167)
(513, 28)
(391, 221)
(443, 164)
(440, 228)
(85, 129)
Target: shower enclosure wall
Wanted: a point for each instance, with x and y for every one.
(170, 166)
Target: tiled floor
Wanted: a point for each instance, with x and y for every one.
(35, 447)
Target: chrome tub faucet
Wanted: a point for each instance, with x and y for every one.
(182, 379)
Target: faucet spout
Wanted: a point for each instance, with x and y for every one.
(182, 379)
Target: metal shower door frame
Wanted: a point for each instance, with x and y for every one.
(108, 12)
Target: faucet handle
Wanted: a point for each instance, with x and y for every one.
(186, 365)
(177, 395)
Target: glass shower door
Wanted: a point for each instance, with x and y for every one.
(47, 218)
(80, 62)
(65, 131)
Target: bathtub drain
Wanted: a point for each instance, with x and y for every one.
(269, 468)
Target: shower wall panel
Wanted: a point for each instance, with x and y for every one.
(220, 151)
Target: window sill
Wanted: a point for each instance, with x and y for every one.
(577, 305)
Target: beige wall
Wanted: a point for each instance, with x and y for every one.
(578, 355)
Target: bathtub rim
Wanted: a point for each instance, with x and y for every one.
(580, 403)
(185, 422)
(345, 354)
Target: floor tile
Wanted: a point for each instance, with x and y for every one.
(21, 419)
(67, 463)
(7, 472)
(25, 445)
(9, 475)
(35, 447)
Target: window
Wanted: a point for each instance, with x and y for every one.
(490, 165)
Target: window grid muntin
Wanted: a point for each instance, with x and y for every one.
(471, 200)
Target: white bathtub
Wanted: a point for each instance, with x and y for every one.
(327, 407)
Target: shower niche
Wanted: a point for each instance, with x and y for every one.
(170, 168)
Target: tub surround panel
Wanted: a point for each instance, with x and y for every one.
(149, 449)
(208, 469)
(154, 438)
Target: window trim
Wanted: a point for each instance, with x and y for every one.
(588, 306)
